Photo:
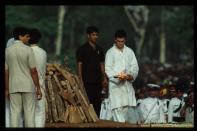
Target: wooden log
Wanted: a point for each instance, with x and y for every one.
(74, 115)
(58, 83)
(69, 95)
(83, 117)
(66, 114)
(81, 87)
(52, 97)
(83, 98)
(60, 107)
(92, 113)
(48, 104)
(84, 106)
(63, 83)
(50, 73)
(65, 74)
(91, 110)
(68, 86)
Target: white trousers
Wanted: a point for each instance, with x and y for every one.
(120, 114)
(22, 102)
(40, 116)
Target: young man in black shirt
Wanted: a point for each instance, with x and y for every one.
(90, 67)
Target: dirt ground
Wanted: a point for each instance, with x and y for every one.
(112, 124)
(98, 124)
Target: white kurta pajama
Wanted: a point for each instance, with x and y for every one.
(41, 59)
(121, 94)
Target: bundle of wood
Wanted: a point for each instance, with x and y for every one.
(66, 98)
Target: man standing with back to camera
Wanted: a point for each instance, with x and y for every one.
(21, 79)
(41, 60)
(90, 67)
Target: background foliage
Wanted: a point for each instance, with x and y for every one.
(177, 20)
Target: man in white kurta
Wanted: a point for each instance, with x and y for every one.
(122, 69)
(41, 59)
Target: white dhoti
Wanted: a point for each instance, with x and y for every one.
(40, 111)
(105, 112)
(120, 114)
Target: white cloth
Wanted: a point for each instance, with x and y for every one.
(7, 116)
(173, 105)
(189, 115)
(41, 59)
(165, 103)
(10, 42)
(139, 101)
(133, 115)
(121, 94)
(105, 112)
(152, 110)
(120, 114)
(138, 111)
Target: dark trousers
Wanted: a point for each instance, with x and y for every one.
(94, 95)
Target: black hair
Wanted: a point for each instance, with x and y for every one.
(20, 31)
(35, 36)
(120, 33)
(91, 29)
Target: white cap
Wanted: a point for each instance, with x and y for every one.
(153, 86)
(191, 83)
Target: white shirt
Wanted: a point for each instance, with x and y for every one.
(165, 103)
(116, 61)
(19, 59)
(152, 110)
(173, 105)
(10, 42)
(189, 115)
(41, 59)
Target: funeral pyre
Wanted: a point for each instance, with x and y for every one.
(66, 98)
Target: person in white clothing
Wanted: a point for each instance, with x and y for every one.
(122, 69)
(140, 97)
(21, 79)
(151, 107)
(175, 106)
(41, 59)
(10, 42)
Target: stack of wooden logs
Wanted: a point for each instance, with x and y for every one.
(66, 98)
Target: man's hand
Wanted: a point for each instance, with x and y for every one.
(39, 94)
(129, 77)
(104, 83)
(122, 76)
